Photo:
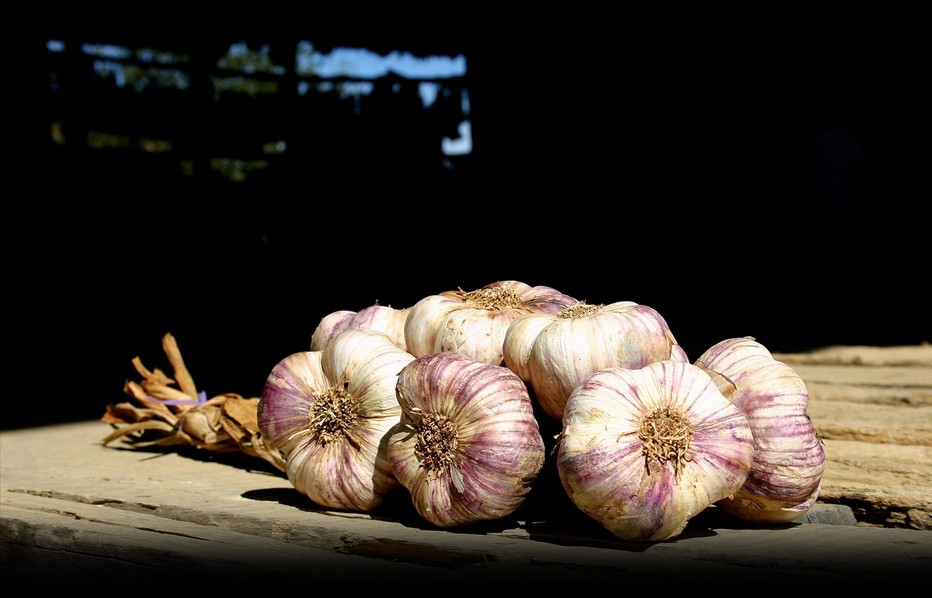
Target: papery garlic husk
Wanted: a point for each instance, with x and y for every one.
(239, 417)
(468, 447)
(789, 458)
(474, 323)
(644, 451)
(382, 318)
(330, 412)
(555, 352)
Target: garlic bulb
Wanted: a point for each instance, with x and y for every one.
(383, 318)
(468, 446)
(789, 458)
(474, 323)
(555, 352)
(643, 451)
(330, 412)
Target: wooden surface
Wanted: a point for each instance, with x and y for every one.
(872, 407)
(85, 514)
(178, 521)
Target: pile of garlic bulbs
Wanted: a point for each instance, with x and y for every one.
(447, 400)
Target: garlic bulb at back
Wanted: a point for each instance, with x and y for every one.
(474, 323)
(555, 352)
(382, 318)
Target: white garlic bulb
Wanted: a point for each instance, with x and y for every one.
(468, 447)
(329, 412)
(644, 451)
(555, 352)
(474, 323)
(789, 459)
(383, 318)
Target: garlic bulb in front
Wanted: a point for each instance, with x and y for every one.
(643, 451)
(468, 446)
(474, 323)
(555, 352)
(382, 318)
(330, 412)
(789, 459)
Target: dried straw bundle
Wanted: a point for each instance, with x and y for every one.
(161, 414)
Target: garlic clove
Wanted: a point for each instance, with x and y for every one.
(518, 343)
(286, 400)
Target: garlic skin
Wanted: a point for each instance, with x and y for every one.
(555, 352)
(643, 451)
(284, 406)
(468, 446)
(329, 412)
(382, 318)
(474, 323)
(789, 459)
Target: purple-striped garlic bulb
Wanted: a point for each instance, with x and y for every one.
(330, 412)
(474, 323)
(644, 451)
(468, 447)
(383, 318)
(555, 352)
(789, 458)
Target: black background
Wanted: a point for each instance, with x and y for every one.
(741, 181)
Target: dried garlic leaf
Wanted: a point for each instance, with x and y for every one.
(155, 375)
(128, 413)
(161, 414)
(239, 417)
(185, 381)
(126, 430)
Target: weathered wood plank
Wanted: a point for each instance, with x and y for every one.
(862, 355)
(77, 512)
(872, 406)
